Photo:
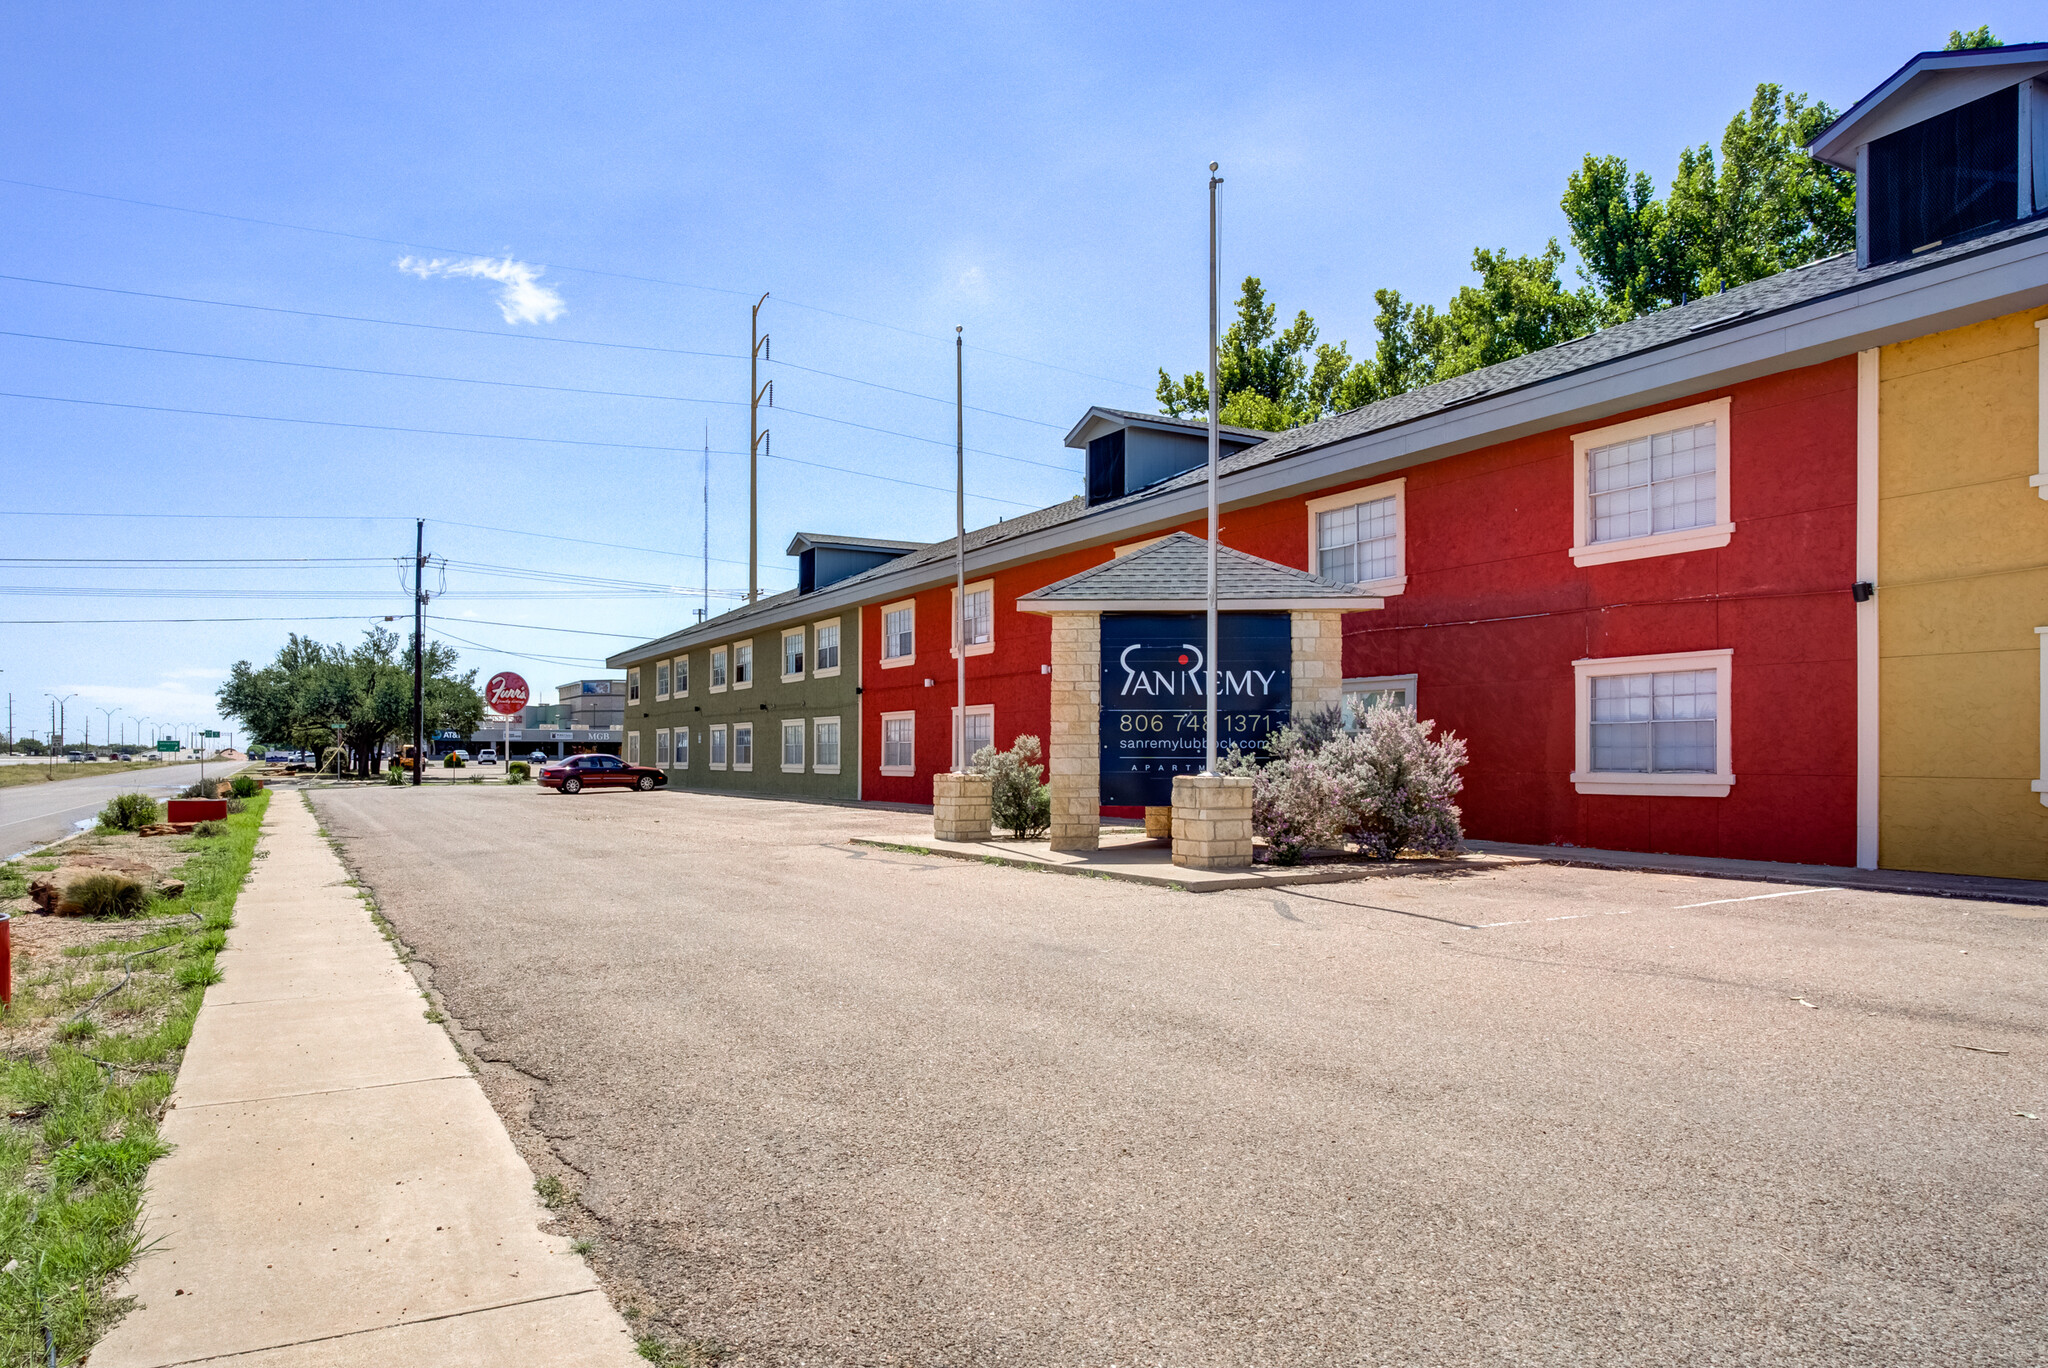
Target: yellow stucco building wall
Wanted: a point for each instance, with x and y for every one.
(1962, 548)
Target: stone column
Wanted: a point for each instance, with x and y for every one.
(1212, 821)
(1318, 660)
(1159, 822)
(960, 807)
(1074, 766)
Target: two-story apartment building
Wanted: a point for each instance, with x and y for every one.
(1758, 576)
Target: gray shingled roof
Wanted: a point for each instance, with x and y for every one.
(1194, 425)
(804, 539)
(1176, 569)
(1803, 285)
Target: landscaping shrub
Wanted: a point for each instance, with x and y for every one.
(395, 777)
(451, 761)
(130, 812)
(1388, 786)
(1019, 801)
(210, 828)
(518, 772)
(108, 895)
(205, 788)
(236, 805)
(243, 785)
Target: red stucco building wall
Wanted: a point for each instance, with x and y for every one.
(1495, 612)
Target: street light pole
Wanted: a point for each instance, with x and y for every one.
(108, 713)
(1215, 445)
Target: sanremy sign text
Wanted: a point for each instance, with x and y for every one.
(1155, 703)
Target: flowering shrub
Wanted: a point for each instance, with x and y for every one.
(1388, 786)
(1018, 799)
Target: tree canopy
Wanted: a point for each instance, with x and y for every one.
(1760, 206)
(297, 699)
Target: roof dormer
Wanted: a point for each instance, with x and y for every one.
(822, 560)
(1128, 452)
(1953, 145)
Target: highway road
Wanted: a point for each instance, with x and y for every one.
(34, 814)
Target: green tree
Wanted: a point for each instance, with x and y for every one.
(298, 699)
(1763, 206)
(1268, 377)
(1978, 37)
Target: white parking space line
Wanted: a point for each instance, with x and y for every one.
(1631, 911)
(1758, 897)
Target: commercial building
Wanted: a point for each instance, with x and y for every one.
(1758, 576)
(587, 715)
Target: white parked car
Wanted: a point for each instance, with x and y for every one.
(462, 755)
(487, 756)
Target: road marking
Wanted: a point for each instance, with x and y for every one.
(1631, 911)
(1756, 897)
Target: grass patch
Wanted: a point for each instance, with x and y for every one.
(13, 776)
(83, 1108)
(688, 1354)
(553, 1195)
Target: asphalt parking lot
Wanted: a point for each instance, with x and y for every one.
(835, 1105)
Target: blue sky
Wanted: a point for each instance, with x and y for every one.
(1032, 173)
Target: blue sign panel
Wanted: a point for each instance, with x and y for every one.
(1155, 702)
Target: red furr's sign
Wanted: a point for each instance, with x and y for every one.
(506, 693)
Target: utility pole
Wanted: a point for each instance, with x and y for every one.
(1215, 444)
(419, 650)
(755, 437)
(705, 612)
(960, 552)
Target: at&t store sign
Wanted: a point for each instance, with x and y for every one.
(1155, 707)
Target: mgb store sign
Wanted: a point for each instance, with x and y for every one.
(1155, 705)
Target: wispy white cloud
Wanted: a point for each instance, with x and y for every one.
(522, 300)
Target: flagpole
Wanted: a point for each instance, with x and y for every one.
(960, 553)
(1215, 446)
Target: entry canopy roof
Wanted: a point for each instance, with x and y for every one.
(1172, 576)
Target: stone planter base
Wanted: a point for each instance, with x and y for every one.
(1159, 822)
(1212, 821)
(960, 807)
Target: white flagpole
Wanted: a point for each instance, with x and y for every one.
(1215, 446)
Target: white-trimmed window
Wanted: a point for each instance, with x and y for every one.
(980, 618)
(718, 677)
(717, 760)
(899, 743)
(825, 658)
(1361, 537)
(682, 677)
(1656, 486)
(661, 750)
(682, 756)
(899, 634)
(825, 751)
(743, 664)
(661, 682)
(1655, 724)
(632, 748)
(632, 686)
(792, 656)
(980, 727)
(743, 745)
(792, 745)
(1365, 693)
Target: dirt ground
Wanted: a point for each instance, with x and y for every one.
(834, 1105)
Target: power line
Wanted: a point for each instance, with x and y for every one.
(545, 389)
(579, 270)
(361, 318)
(368, 517)
(480, 436)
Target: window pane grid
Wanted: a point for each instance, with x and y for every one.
(1655, 723)
(793, 744)
(1359, 544)
(828, 648)
(898, 638)
(743, 744)
(1661, 483)
(978, 618)
(897, 742)
(828, 744)
(793, 654)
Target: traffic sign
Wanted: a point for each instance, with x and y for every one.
(208, 733)
(506, 693)
(166, 745)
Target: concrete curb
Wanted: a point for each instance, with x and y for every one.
(1174, 876)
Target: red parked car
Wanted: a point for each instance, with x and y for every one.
(576, 773)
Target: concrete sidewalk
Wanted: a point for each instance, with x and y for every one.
(340, 1191)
